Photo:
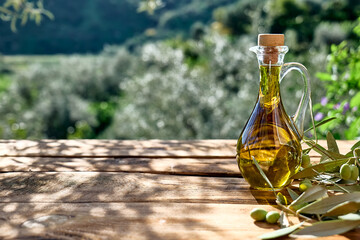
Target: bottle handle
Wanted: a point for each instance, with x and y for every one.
(299, 116)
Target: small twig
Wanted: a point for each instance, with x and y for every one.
(337, 185)
(288, 210)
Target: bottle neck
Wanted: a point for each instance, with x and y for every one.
(269, 92)
(270, 60)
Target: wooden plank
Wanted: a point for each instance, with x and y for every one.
(126, 187)
(120, 148)
(217, 166)
(184, 166)
(199, 165)
(128, 148)
(178, 221)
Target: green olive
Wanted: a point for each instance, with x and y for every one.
(345, 171)
(304, 186)
(354, 172)
(258, 214)
(306, 180)
(305, 161)
(272, 217)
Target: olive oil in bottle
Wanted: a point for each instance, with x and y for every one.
(270, 136)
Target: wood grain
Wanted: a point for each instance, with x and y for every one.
(183, 166)
(159, 221)
(170, 161)
(118, 148)
(128, 148)
(126, 187)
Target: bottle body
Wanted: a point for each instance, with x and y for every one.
(269, 136)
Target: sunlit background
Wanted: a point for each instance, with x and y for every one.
(168, 69)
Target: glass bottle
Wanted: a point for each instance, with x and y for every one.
(270, 136)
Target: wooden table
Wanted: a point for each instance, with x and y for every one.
(109, 189)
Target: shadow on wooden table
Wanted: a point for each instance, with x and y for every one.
(108, 189)
(102, 189)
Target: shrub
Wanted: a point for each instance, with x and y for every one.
(52, 101)
(173, 100)
(342, 100)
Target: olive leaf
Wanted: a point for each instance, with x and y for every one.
(5, 10)
(326, 228)
(322, 151)
(292, 194)
(48, 14)
(321, 167)
(13, 24)
(341, 187)
(344, 208)
(332, 146)
(320, 123)
(310, 195)
(324, 205)
(306, 151)
(263, 175)
(351, 217)
(281, 199)
(331, 143)
(352, 188)
(283, 220)
(357, 144)
(281, 232)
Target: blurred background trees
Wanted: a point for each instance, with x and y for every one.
(183, 72)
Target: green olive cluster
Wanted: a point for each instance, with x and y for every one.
(259, 214)
(349, 172)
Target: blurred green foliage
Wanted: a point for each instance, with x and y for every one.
(197, 80)
(342, 82)
(303, 17)
(73, 98)
(173, 89)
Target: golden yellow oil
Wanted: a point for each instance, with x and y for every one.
(269, 137)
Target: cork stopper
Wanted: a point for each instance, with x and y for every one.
(271, 41)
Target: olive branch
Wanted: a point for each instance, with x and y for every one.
(327, 213)
(14, 11)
